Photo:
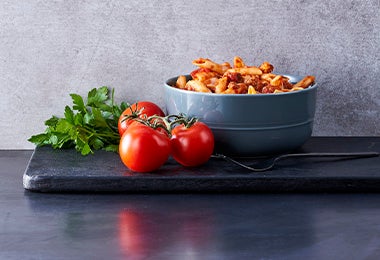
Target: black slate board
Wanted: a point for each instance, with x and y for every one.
(52, 170)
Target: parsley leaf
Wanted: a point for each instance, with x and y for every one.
(87, 126)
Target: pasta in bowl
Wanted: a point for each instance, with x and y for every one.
(247, 122)
(211, 77)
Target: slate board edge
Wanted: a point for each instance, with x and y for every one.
(200, 185)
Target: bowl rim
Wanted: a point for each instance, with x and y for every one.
(291, 76)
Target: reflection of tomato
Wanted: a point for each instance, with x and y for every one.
(142, 232)
(147, 109)
(192, 146)
(144, 149)
(130, 235)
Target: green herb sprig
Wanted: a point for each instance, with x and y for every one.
(88, 125)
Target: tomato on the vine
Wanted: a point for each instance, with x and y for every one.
(192, 146)
(144, 149)
(146, 108)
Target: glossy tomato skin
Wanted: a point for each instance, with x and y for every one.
(192, 146)
(149, 109)
(144, 149)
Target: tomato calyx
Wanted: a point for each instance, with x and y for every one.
(155, 122)
(166, 123)
(135, 113)
(181, 119)
(137, 110)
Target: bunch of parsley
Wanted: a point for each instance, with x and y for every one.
(88, 125)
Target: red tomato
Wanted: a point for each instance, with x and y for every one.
(192, 146)
(144, 149)
(149, 109)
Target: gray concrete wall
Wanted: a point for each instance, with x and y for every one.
(49, 49)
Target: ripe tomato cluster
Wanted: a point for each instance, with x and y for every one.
(148, 138)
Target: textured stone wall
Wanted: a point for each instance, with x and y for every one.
(49, 49)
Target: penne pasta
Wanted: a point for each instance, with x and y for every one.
(305, 82)
(198, 86)
(251, 90)
(222, 85)
(238, 62)
(246, 71)
(208, 64)
(181, 82)
(212, 77)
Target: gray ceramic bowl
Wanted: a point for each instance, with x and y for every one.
(249, 125)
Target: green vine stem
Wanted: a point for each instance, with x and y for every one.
(167, 123)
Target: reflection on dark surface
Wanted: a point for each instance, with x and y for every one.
(143, 232)
(156, 225)
(131, 232)
(225, 226)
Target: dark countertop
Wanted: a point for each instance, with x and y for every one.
(182, 226)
